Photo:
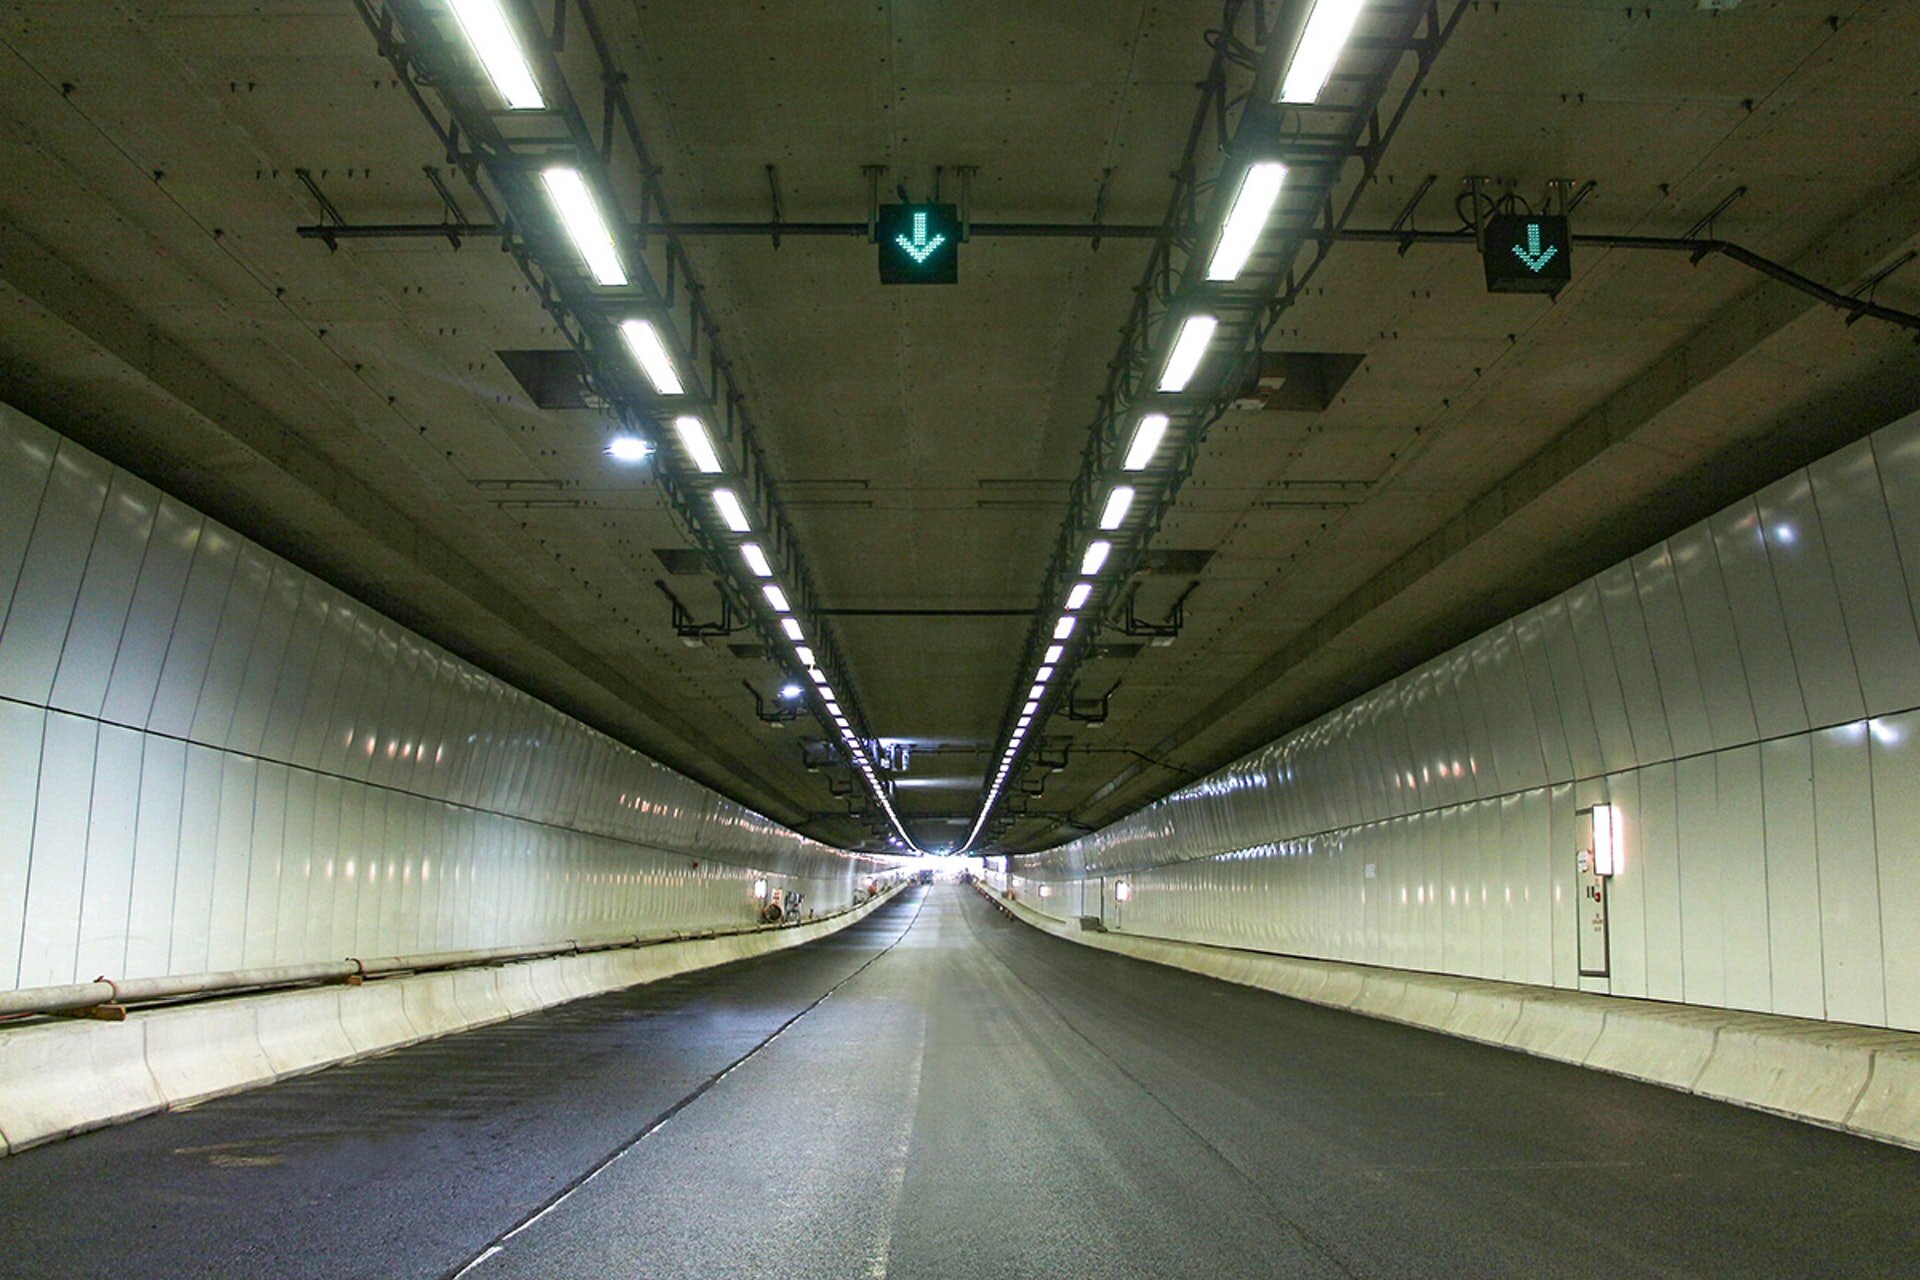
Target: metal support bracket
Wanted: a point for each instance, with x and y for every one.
(687, 628)
(1092, 711)
(1165, 629)
(778, 714)
(329, 216)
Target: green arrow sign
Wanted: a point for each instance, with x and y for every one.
(921, 247)
(1527, 253)
(918, 243)
(1533, 257)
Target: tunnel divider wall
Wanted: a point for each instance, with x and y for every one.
(1864, 1080)
(60, 1077)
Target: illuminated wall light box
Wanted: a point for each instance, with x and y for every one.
(1608, 854)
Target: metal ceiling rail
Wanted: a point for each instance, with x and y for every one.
(456, 232)
(330, 232)
(501, 155)
(1236, 123)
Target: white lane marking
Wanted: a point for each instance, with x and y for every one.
(499, 1246)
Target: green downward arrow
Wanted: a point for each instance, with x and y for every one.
(1533, 257)
(921, 247)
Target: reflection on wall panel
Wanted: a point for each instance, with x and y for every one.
(1744, 697)
(213, 760)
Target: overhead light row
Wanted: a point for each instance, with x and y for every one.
(490, 32)
(1308, 70)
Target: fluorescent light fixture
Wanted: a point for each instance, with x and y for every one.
(1116, 509)
(1037, 690)
(1029, 708)
(776, 597)
(693, 438)
(628, 449)
(1043, 675)
(1024, 722)
(1311, 65)
(819, 677)
(1078, 596)
(806, 657)
(580, 215)
(1189, 349)
(651, 354)
(731, 511)
(1122, 891)
(1063, 628)
(1252, 204)
(485, 25)
(792, 628)
(1146, 442)
(1053, 653)
(756, 560)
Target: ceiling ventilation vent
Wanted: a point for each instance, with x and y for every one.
(551, 379)
(683, 562)
(1296, 381)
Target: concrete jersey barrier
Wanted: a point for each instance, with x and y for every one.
(64, 1076)
(1864, 1080)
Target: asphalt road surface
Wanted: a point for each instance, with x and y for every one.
(940, 1091)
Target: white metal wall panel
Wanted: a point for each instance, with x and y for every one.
(1759, 622)
(1796, 967)
(150, 616)
(245, 767)
(50, 574)
(22, 728)
(1746, 694)
(1895, 751)
(1849, 874)
(1716, 657)
(156, 856)
(1867, 576)
(106, 885)
(51, 931)
(106, 594)
(1796, 547)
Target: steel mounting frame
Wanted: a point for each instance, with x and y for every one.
(499, 154)
(1331, 148)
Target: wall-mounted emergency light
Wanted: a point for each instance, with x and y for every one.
(1122, 892)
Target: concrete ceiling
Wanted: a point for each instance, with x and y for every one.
(349, 408)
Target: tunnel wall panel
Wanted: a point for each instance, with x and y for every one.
(211, 759)
(1744, 693)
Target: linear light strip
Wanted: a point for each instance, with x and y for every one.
(490, 28)
(580, 215)
(491, 36)
(1321, 40)
(1247, 219)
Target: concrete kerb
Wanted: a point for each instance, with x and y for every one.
(1861, 1079)
(59, 1078)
